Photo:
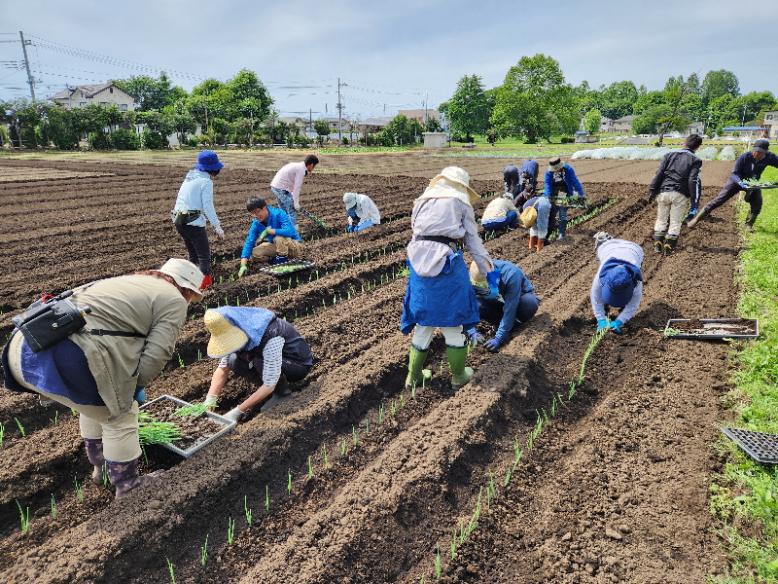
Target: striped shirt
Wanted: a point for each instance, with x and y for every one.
(271, 361)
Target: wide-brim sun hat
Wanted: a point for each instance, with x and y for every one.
(618, 284)
(458, 178)
(350, 200)
(208, 161)
(476, 277)
(226, 338)
(185, 273)
(555, 164)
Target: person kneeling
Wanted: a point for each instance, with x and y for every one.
(618, 282)
(361, 211)
(514, 303)
(260, 347)
(274, 231)
(500, 214)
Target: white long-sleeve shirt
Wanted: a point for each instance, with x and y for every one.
(366, 209)
(498, 209)
(627, 251)
(196, 194)
(290, 178)
(272, 360)
(447, 217)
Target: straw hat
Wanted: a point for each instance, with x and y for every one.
(457, 178)
(476, 277)
(226, 338)
(185, 273)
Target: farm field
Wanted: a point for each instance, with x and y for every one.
(354, 479)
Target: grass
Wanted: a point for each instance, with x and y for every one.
(745, 495)
(171, 570)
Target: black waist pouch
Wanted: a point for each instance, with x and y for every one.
(49, 321)
(182, 218)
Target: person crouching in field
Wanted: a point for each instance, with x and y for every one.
(101, 370)
(361, 212)
(500, 214)
(274, 231)
(618, 282)
(438, 293)
(194, 205)
(538, 231)
(513, 304)
(676, 187)
(257, 345)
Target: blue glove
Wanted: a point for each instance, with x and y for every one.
(474, 338)
(615, 326)
(602, 324)
(691, 214)
(493, 279)
(140, 394)
(493, 345)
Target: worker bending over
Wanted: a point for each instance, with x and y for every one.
(257, 345)
(361, 211)
(288, 181)
(439, 294)
(513, 304)
(500, 214)
(538, 232)
(274, 231)
(618, 283)
(561, 184)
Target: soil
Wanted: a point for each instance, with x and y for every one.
(194, 429)
(353, 478)
(735, 326)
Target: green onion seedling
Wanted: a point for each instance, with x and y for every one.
(2, 434)
(289, 482)
(343, 447)
(267, 497)
(79, 490)
(310, 467)
(453, 546)
(171, 570)
(21, 428)
(24, 518)
(55, 419)
(204, 552)
(354, 436)
(53, 506)
(192, 410)
(438, 564)
(508, 474)
(381, 414)
(73, 412)
(247, 512)
(367, 426)
(180, 361)
(230, 530)
(393, 409)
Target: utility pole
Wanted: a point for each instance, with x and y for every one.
(426, 100)
(340, 112)
(30, 80)
(310, 119)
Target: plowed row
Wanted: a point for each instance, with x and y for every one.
(412, 465)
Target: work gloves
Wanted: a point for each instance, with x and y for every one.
(263, 235)
(602, 324)
(494, 344)
(235, 415)
(474, 338)
(615, 326)
(242, 270)
(219, 232)
(297, 207)
(140, 394)
(211, 401)
(692, 214)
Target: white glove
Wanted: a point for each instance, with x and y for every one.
(211, 401)
(234, 415)
(297, 206)
(219, 232)
(350, 220)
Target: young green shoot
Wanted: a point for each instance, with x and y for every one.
(354, 436)
(672, 332)
(204, 552)
(2, 434)
(53, 506)
(21, 428)
(393, 409)
(381, 414)
(24, 518)
(267, 497)
(247, 511)
(192, 410)
(343, 447)
(289, 482)
(180, 361)
(79, 489)
(310, 468)
(73, 413)
(230, 530)
(325, 458)
(171, 570)
(367, 426)
(438, 564)
(507, 480)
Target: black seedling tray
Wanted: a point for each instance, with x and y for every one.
(717, 327)
(283, 269)
(759, 446)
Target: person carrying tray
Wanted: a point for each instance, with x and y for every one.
(258, 346)
(361, 211)
(749, 165)
(274, 231)
(288, 181)
(561, 185)
(101, 370)
(618, 282)
(438, 293)
(194, 204)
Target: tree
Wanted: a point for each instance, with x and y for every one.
(150, 93)
(534, 101)
(752, 106)
(181, 120)
(322, 130)
(718, 83)
(248, 97)
(615, 100)
(432, 125)
(468, 110)
(401, 131)
(592, 121)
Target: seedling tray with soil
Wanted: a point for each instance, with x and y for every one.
(287, 268)
(712, 328)
(197, 431)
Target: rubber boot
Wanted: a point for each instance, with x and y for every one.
(697, 218)
(533, 241)
(659, 240)
(279, 259)
(669, 246)
(416, 373)
(460, 375)
(750, 220)
(541, 243)
(207, 282)
(562, 231)
(124, 476)
(94, 453)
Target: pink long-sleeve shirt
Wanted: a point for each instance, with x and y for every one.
(290, 178)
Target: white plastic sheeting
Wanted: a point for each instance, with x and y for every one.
(622, 153)
(727, 153)
(707, 153)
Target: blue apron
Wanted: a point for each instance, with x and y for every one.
(443, 300)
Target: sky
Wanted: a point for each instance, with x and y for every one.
(390, 55)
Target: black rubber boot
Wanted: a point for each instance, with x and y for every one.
(669, 246)
(124, 476)
(94, 453)
(659, 240)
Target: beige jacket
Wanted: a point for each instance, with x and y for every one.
(498, 209)
(142, 304)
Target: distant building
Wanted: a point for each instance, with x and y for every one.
(606, 124)
(623, 125)
(105, 94)
(371, 125)
(771, 123)
(695, 128)
(420, 115)
(744, 131)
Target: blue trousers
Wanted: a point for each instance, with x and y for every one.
(285, 202)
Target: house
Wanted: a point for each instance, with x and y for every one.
(105, 94)
(744, 131)
(606, 124)
(420, 115)
(695, 128)
(371, 125)
(771, 123)
(623, 125)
